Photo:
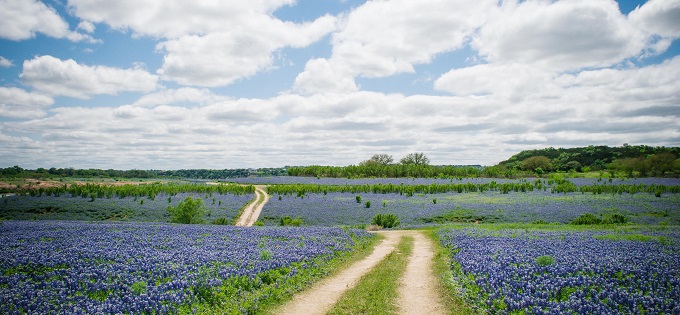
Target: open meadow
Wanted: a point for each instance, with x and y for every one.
(530, 246)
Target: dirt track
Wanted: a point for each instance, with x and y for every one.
(253, 210)
(417, 293)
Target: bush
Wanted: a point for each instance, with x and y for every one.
(288, 221)
(358, 199)
(368, 204)
(587, 219)
(188, 211)
(591, 219)
(388, 220)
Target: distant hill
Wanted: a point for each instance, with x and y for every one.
(594, 158)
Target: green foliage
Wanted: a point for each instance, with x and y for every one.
(258, 223)
(188, 211)
(587, 219)
(591, 219)
(139, 287)
(358, 199)
(388, 220)
(368, 203)
(288, 221)
(546, 260)
(417, 158)
(538, 164)
(221, 221)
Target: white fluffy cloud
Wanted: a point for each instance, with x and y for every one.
(208, 43)
(18, 103)
(220, 58)
(560, 35)
(195, 128)
(54, 76)
(5, 63)
(383, 38)
(21, 20)
(661, 17)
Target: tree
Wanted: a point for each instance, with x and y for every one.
(378, 159)
(661, 163)
(188, 211)
(417, 158)
(535, 162)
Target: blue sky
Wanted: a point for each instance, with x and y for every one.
(267, 83)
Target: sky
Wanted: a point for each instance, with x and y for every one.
(173, 84)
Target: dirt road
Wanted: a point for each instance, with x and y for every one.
(417, 293)
(253, 210)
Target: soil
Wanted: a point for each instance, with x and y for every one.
(417, 289)
(253, 210)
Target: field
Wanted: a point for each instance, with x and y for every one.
(117, 268)
(511, 246)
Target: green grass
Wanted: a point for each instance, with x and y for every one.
(448, 289)
(376, 292)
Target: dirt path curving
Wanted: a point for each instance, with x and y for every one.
(253, 210)
(321, 297)
(417, 293)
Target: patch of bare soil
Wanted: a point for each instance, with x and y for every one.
(253, 210)
(417, 289)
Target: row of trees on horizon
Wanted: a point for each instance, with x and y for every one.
(631, 161)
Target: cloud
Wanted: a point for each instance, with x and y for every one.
(21, 20)
(54, 76)
(658, 17)
(209, 44)
(560, 35)
(18, 103)
(5, 63)
(383, 38)
(86, 26)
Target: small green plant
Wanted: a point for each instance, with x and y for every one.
(258, 223)
(139, 287)
(221, 221)
(546, 260)
(266, 255)
(368, 203)
(388, 220)
(358, 199)
(434, 201)
(288, 221)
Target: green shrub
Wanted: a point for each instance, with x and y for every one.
(288, 221)
(587, 219)
(188, 211)
(388, 220)
(616, 219)
(358, 199)
(368, 203)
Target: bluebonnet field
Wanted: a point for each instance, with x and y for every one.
(142, 208)
(334, 209)
(567, 272)
(56, 267)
